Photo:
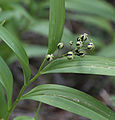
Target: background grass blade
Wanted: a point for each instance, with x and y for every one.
(56, 23)
(3, 104)
(23, 118)
(35, 50)
(17, 12)
(97, 7)
(87, 65)
(6, 80)
(16, 46)
(107, 51)
(93, 20)
(71, 100)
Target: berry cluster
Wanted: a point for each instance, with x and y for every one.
(80, 50)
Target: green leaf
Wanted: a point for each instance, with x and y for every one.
(6, 80)
(56, 23)
(3, 104)
(5, 51)
(17, 48)
(96, 7)
(23, 118)
(71, 100)
(87, 65)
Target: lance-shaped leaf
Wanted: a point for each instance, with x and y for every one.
(3, 104)
(87, 65)
(6, 80)
(71, 100)
(17, 48)
(56, 23)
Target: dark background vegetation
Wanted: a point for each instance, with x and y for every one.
(28, 20)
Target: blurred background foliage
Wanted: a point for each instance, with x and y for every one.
(28, 21)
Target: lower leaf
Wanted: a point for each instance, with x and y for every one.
(71, 100)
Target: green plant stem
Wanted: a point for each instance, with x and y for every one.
(23, 88)
(62, 55)
(37, 111)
